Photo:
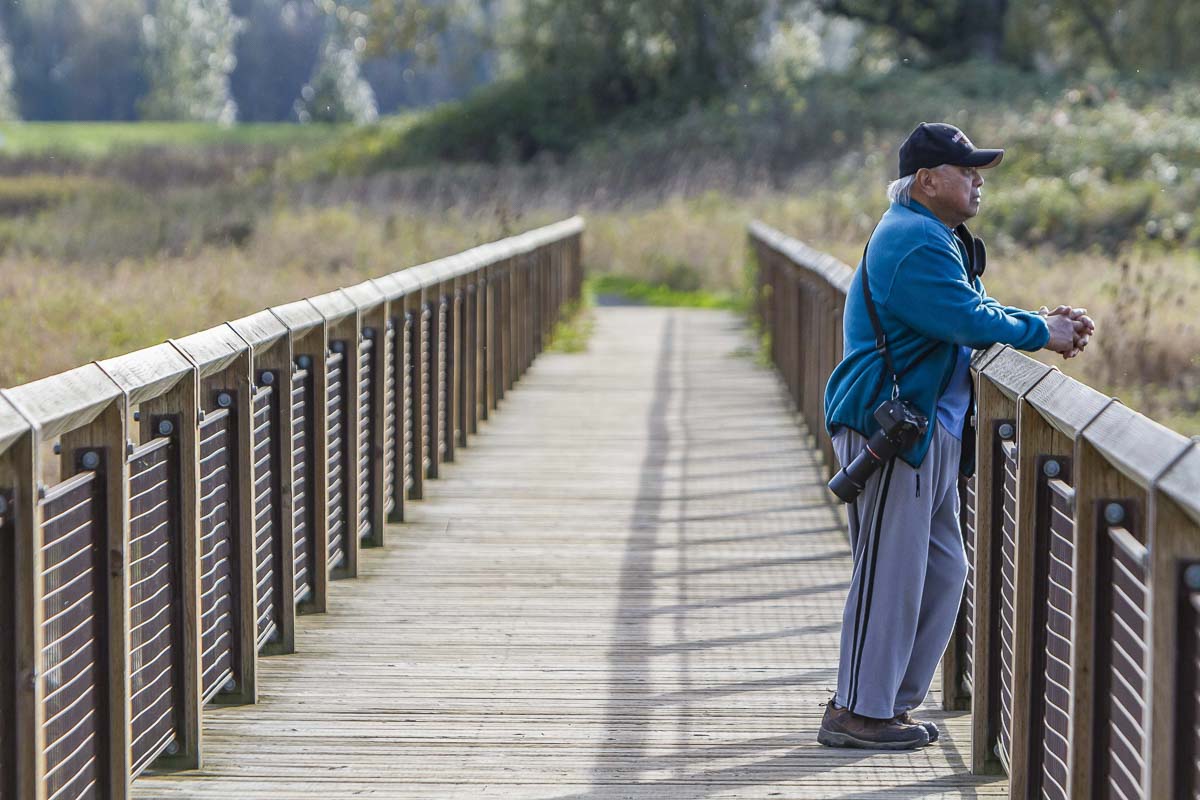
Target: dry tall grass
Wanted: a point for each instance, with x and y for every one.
(58, 314)
(115, 269)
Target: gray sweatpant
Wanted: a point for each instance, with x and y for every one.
(909, 571)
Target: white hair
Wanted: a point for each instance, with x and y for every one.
(900, 191)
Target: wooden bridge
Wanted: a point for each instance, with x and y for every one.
(338, 549)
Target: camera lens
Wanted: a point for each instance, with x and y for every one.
(848, 483)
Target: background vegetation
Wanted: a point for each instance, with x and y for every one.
(669, 124)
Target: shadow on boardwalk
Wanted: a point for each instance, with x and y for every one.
(651, 747)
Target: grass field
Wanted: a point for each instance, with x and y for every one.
(99, 139)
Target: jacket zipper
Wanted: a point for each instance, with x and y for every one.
(918, 484)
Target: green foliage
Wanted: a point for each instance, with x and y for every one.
(572, 333)
(585, 66)
(658, 294)
(510, 120)
(91, 140)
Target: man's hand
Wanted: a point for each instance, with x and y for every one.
(1080, 329)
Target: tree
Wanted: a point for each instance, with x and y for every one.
(190, 46)
(74, 59)
(337, 91)
(8, 99)
(949, 30)
(626, 51)
(277, 50)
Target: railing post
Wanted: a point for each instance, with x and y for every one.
(995, 423)
(23, 769)
(224, 362)
(163, 386)
(341, 367)
(462, 360)
(487, 342)
(88, 410)
(452, 346)
(1173, 673)
(397, 421)
(470, 405)
(308, 486)
(433, 378)
(373, 398)
(106, 438)
(1034, 440)
(271, 349)
(419, 342)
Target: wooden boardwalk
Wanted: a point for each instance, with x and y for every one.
(629, 586)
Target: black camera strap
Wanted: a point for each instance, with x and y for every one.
(881, 345)
(976, 256)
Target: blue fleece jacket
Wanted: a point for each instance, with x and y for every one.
(928, 306)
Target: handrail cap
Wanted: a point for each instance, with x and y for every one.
(148, 373)
(1014, 373)
(260, 329)
(1137, 446)
(12, 425)
(1181, 482)
(1065, 403)
(66, 401)
(399, 284)
(300, 317)
(212, 350)
(334, 306)
(835, 272)
(366, 296)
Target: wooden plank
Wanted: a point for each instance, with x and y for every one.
(645, 605)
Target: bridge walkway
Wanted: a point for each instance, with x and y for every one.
(629, 586)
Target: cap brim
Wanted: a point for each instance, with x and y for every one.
(983, 159)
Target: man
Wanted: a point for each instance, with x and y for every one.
(922, 269)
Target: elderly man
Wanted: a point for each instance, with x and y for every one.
(914, 311)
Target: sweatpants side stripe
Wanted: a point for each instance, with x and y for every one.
(887, 482)
(859, 604)
(858, 612)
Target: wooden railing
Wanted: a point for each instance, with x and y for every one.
(1078, 645)
(209, 488)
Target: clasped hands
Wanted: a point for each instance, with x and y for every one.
(1070, 329)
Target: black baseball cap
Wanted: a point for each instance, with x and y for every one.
(932, 144)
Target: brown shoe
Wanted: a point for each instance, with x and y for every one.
(841, 728)
(930, 728)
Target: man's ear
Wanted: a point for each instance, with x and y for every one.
(926, 180)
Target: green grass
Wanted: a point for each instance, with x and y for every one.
(574, 330)
(99, 139)
(659, 294)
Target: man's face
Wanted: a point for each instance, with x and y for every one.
(958, 190)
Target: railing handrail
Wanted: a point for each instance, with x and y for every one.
(1131, 480)
(288, 439)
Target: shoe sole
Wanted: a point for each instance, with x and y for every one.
(832, 739)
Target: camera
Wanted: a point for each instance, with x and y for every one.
(901, 427)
